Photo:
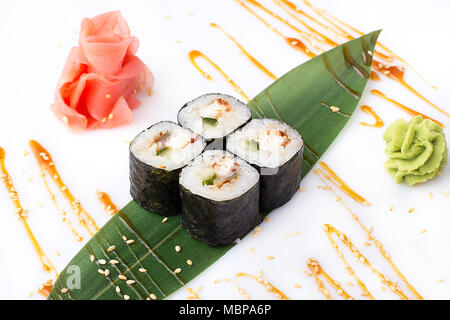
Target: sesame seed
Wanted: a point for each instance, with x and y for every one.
(189, 262)
(124, 238)
(106, 272)
(92, 258)
(102, 261)
(122, 277)
(110, 116)
(142, 270)
(117, 289)
(108, 96)
(101, 271)
(177, 248)
(130, 241)
(164, 220)
(112, 261)
(111, 248)
(126, 297)
(153, 296)
(131, 282)
(64, 290)
(334, 109)
(177, 270)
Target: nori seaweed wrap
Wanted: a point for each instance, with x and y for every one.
(220, 198)
(276, 150)
(157, 155)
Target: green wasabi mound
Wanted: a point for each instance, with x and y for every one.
(417, 150)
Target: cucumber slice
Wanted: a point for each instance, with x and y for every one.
(253, 145)
(209, 122)
(209, 181)
(163, 152)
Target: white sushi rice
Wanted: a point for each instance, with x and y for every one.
(240, 175)
(183, 145)
(229, 116)
(277, 143)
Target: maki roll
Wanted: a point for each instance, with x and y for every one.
(214, 116)
(157, 155)
(276, 150)
(220, 197)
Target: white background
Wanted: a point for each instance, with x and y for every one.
(36, 37)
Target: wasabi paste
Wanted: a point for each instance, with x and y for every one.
(417, 150)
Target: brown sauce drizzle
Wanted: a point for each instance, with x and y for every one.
(306, 36)
(378, 121)
(47, 165)
(348, 268)
(396, 73)
(75, 233)
(292, 10)
(317, 271)
(293, 42)
(269, 287)
(403, 107)
(192, 294)
(245, 52)
(338, 182)
(389, 57)
(107, 203)
(23, 214)
(194, 54)
(342, 32)
(45, 288)
(369, 232)
(374, 76)
(330, 230)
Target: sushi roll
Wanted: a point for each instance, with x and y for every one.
(214, 116)
(157, 155)
(276, 150)
(220, 197)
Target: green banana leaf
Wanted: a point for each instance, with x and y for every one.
(316, 98)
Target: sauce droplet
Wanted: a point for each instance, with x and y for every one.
(378, 121)
(317, 271)
(107, 203)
